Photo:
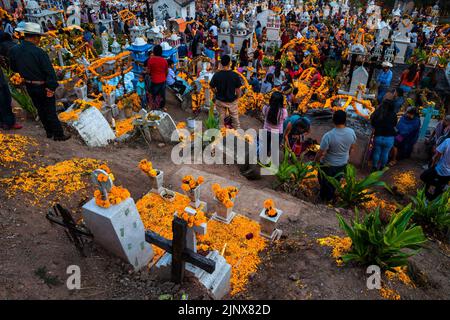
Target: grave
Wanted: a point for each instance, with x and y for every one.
(119, 228)
(93, 128)
(181, 254)
(162, 128)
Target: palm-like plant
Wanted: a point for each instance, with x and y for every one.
(435, 213)
(383, 245)
(355, 191)
(291, 168)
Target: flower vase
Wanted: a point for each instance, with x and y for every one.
(269, 224)
(157, 181)
(128, 111)
(110, 99)
(224, 214)
(81, 92)
(167, 195)
(194, 195)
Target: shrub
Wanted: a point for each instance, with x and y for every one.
(353, 191)
(435, 213)
(383, 245)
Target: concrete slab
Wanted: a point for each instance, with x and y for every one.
(250, 200)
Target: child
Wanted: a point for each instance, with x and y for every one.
(140, 90)
(172, 82)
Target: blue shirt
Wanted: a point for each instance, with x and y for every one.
(443, 165)
(170, 77)
(140, 88)
(385, 78)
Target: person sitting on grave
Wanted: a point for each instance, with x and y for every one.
(407, 135)
(384, 80)
(409, 78)
(438, 175)
(439, 134)
(175, 84)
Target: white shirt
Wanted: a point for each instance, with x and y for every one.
(213, 28)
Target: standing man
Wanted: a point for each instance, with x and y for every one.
(384, 80)
(34, 66)
(335, 148)
(226, 85)
(158, 68)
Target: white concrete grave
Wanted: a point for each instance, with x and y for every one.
(119, 228)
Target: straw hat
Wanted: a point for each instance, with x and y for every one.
(29, 28)
(386, 64)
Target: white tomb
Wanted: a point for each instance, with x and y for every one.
(119, 228)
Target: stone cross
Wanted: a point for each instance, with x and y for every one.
(428, 113)
(104, 187)
(191, 239)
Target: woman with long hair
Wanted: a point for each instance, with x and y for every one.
(383, 121)
(408, 129)
(409, 78)
(243, 54)
(274, 116)
(278, 76)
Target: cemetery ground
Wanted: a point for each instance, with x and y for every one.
(35, 255)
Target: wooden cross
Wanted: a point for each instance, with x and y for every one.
(180, 253)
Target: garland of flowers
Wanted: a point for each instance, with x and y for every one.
(225, 195)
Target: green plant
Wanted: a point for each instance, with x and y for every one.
(383, 245)
(435, 213)
(48, 279)
(355, 191)
(211, 122)
(291, 168)
(332, 68)
(267, 62)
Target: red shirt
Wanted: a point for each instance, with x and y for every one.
(157, 68)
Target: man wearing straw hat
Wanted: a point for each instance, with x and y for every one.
(34, 66)
(384, 80)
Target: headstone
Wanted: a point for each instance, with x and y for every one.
(119, 229)
(93, 128)
(217, 283)
(383, 33)
(164, 128)
(360, 76)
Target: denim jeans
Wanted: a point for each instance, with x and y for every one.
(381, 149)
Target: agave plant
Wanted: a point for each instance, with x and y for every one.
(355, 191)
(383, 245)
(291, 168)
(435, 213)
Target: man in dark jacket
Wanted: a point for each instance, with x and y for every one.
(34, 66)
(7, 118)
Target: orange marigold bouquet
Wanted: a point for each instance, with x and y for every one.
(225, 195)
(105, 168)
(194, 220)
(116, 195)
(147, 167)
(269, 205)
(108, 89)
(189, 183)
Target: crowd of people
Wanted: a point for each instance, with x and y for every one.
(395, 128)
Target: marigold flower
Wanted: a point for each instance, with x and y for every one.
(185, 187)
(102, 178)
(268, 203)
